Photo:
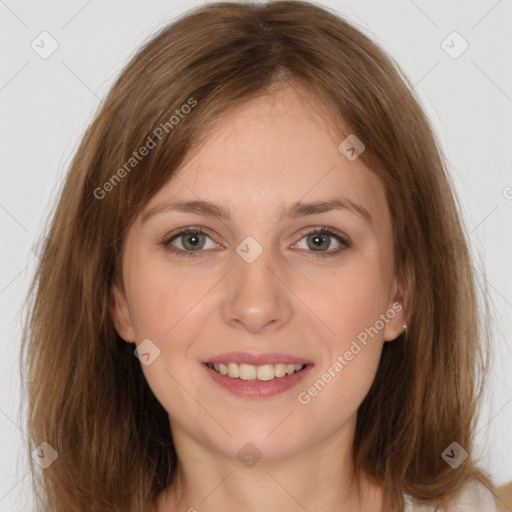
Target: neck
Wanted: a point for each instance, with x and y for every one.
(320, 478)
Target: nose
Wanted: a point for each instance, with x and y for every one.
(257, 298)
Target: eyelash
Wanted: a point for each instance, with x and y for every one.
(166, 242)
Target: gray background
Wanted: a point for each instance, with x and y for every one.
(46, 104)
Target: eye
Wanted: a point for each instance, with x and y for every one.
(193, 240)
(320, 238)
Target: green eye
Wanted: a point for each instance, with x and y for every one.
(194, 240)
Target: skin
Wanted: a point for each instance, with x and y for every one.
(258, 159)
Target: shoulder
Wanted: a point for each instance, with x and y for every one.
(474, 498)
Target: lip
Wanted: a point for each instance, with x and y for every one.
(256, 359)
(254, 389)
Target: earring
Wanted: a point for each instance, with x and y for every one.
(404, 329)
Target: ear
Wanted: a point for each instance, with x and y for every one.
(397, 312)
(118, 308)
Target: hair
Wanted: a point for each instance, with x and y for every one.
(87, 395)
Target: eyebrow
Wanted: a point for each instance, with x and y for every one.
(296, 210)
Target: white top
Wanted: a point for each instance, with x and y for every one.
(474, 498)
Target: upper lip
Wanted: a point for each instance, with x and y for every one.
(256, 359)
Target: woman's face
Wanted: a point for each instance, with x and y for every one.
(259, 287)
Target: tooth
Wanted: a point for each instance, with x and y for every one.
(265, 372)
(280, 370)
(233, 370)
(247, 372)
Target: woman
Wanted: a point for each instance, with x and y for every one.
(256, 291)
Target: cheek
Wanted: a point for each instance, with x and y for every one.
(170, 307)
(162, 298)
(348, 366)
(348, 303)
(337, 393)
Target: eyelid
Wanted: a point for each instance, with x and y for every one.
(323, 229)
(168, 238)
(344, 241)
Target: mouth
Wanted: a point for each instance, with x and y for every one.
(251, 372)
(256, 381)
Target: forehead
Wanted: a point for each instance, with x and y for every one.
(278, 148)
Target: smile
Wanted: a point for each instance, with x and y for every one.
(256, 382)
(264, 372)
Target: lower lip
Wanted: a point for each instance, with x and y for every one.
(258, 388)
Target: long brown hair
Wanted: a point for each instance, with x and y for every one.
(87, 395)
